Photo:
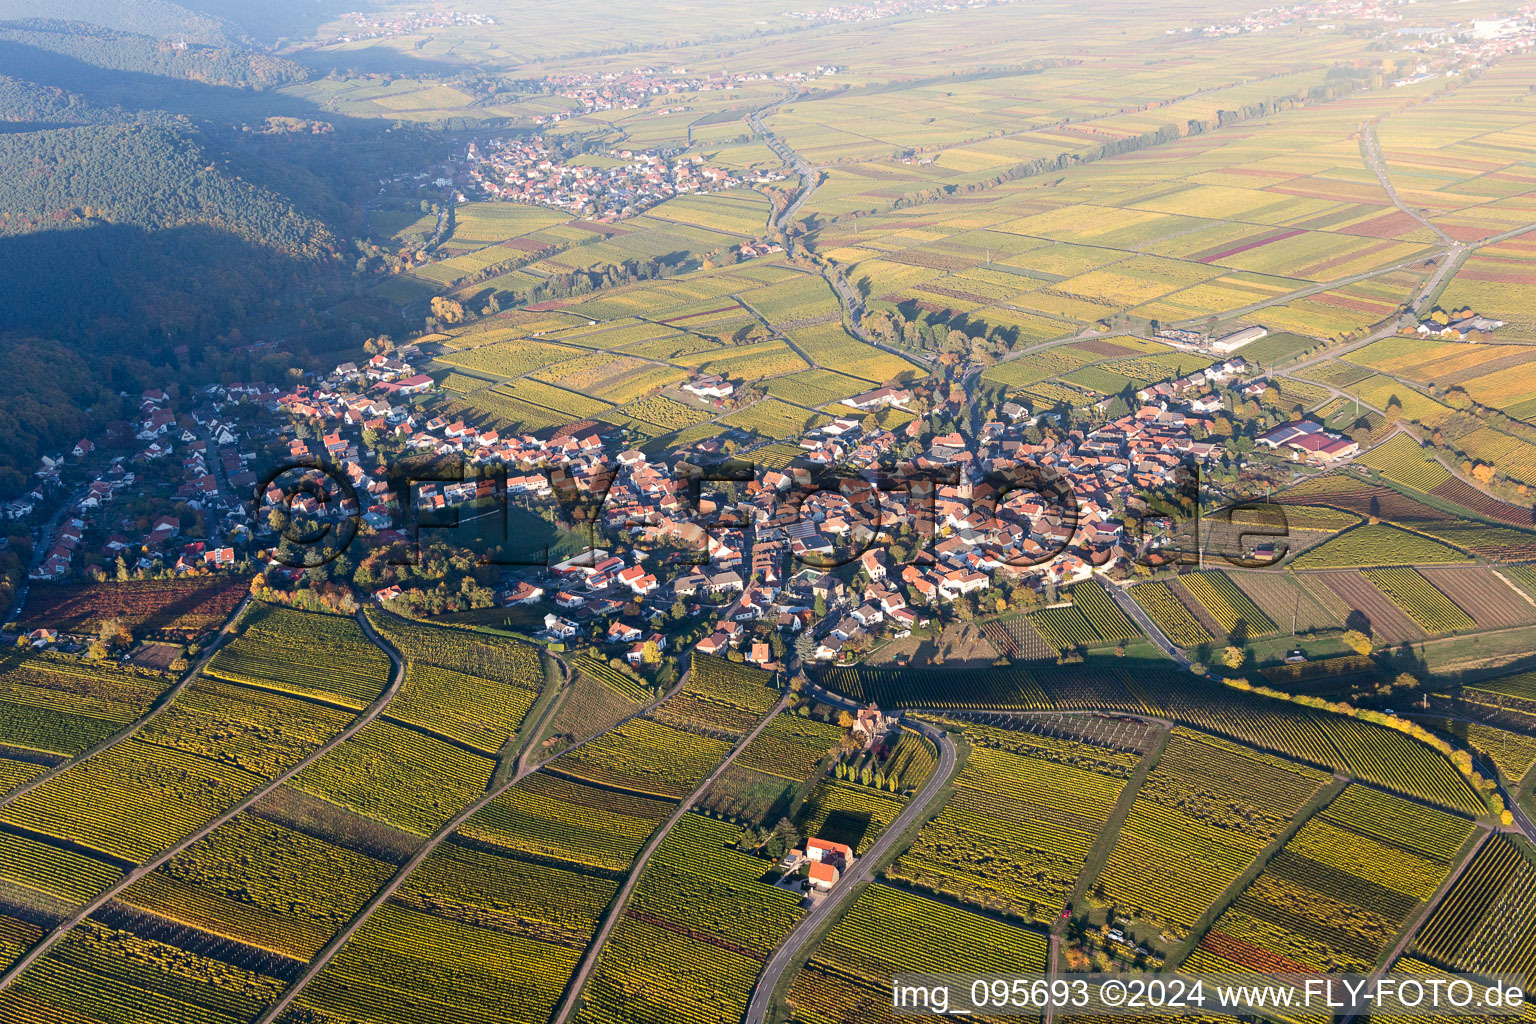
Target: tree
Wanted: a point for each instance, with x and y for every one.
(650, 654)
(113, 631)
(1357, 641)
(1506, 818)
(783, 839)
(1233, 658)
(845, 719)
(447, 310)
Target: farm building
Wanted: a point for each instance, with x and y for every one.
(823, 876)
(825, 851)
(1309, 442)
(1237, 339)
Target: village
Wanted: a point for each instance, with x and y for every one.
(625, 182)
(749, 570)
(384, 26)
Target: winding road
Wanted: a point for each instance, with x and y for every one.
(616, 910)
(863, 868)
(852, 303)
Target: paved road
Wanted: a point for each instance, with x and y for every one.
(159, 705)
(595, 947)
(1521, 820)
(40, 552)
(862, 870)
(373, 710)
(1138, 614)
(847, 296)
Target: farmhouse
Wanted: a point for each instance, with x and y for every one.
(825, 851)
(711, 386)
(822, 876)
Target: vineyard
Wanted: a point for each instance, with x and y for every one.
(1202, 816)
(462, 686)
(1092, 619)
(774, 419)
(132, 800)
(845, 812)
(304, 653)
(719, 699)
(1397, 762)
(521, 883)
(62, 708)
(772, 771)
(1373, 753)
(1484, 925)
(451, 971)
(532, 870)
(889, 931)
(1429, 522)
(694, 957)
(15, 772)
(181, 609)
(547, 817)
(1230, 607)
(399, 776)
(1430, 610)
(1377, 544)
(1169, 615)
(551, 904)
(1338, 892)
(50, 876)
(1017, 639)
(1018, 828)
(1486, 595)
(262, 884)
(1513, 753)
(645, 757)
(1401, 459)
(210, 746)
(620, 683)
(99, 972)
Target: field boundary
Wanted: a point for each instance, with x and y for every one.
(159, 704)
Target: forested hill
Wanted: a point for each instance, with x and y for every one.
(150, 226)
(146, 176)
(159, 18)
(27, 103)
(113, 50)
